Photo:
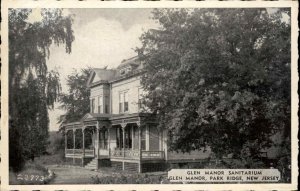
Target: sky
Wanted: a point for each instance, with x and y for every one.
(103, 37)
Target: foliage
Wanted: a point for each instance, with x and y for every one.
(33, 89)
(219, 78)
(56, 142)
(129, 179)
(76, 101)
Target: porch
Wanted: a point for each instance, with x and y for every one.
(124, 138)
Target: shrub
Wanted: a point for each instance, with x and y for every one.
(130, 179)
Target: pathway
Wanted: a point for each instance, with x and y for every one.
(73, 175)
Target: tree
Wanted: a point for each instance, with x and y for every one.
(32, 88)
(77, 101)
(219, 78)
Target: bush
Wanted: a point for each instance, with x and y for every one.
(131, 179)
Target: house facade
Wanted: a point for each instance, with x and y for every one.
(116, 132)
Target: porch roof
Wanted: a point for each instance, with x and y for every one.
(113, 119)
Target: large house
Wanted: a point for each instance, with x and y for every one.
(116, 132)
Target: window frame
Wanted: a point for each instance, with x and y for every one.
(140, 97)
(100, 104)
(106, 104)
(93, 104)
(122, 102)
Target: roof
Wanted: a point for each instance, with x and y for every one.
(93, 116)
(101, 75)
(133, 61)
(105, 74)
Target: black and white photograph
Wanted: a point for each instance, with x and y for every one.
(108, 96)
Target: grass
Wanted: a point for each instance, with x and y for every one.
(35, 172)
(32, 173)
(51, 159)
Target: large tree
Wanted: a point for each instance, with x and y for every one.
(219, 78)
(33, 89)
(76, 102)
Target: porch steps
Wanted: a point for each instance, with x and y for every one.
(92, 165)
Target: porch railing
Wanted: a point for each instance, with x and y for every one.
(136, 154)
(153, 154)
(103, 152)
(119, 153)
(132, 153)
(87, 152)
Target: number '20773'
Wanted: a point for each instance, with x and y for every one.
(30, 177)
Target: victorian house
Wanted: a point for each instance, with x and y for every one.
(116, 133)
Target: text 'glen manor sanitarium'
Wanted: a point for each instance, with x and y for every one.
(224, 175)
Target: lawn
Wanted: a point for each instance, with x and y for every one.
(32, 173)
(65, 173)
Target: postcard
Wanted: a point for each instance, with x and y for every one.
(149, 95)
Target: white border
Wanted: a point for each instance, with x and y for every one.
(138, 4)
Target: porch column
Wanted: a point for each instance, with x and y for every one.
(140, 146)
(74, 133)
(123, 125)
(147, 137)
(66, 140)
(83, 145)
(97, 139)
(132, 137)
(108, 139)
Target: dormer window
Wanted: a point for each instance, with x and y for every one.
(128, 69)
(122, 72)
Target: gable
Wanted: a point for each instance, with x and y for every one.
(91, 78)
(95, 78)
(87, 116)
(101, 75)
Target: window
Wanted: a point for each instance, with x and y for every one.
(140, 98)
(143, 138)
(122, 72)
(119, 137)
(128, 138)
(128, 69)
(106, 100)
(103, 138)
(123, 102)
(100, 104)
(93, 105)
